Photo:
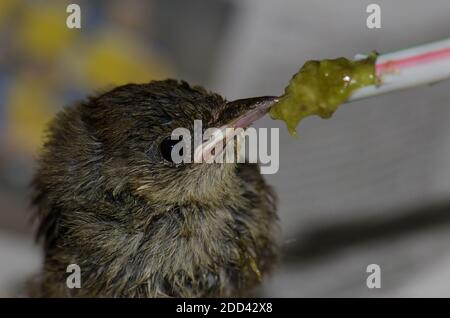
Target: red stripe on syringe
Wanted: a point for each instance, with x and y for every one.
(393, 65)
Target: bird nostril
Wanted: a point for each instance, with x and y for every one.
(215, 116)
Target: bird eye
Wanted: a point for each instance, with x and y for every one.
(166, 146)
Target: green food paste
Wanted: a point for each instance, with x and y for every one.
(320, 87)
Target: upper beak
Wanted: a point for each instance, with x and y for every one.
(248, 110)
(244, 112)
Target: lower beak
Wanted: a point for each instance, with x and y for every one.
(247, 111)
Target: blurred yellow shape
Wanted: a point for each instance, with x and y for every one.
(29, 110)
(118, 60)
(43, 32)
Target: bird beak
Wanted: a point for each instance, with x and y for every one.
(248, 110)
(244, 112)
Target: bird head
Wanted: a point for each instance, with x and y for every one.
(120, 141)
(133, 124)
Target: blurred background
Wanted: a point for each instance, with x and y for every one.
(370, 185)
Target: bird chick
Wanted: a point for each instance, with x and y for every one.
(109, 200)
